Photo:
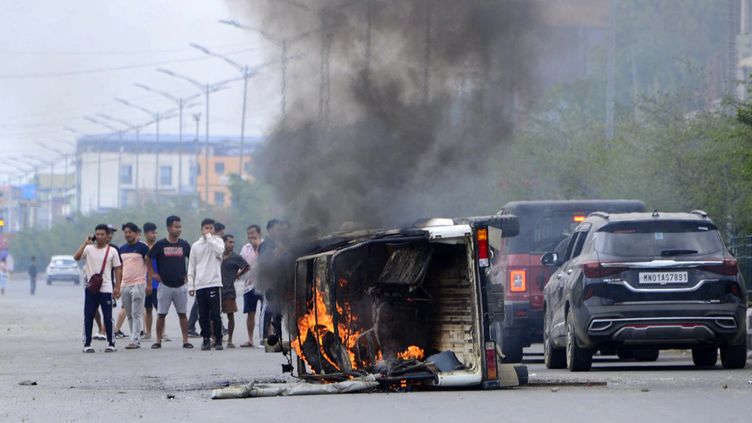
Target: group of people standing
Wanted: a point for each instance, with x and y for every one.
(163, 273)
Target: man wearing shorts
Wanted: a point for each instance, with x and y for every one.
(170, 254)
(233, 267)
(150, 236)
(251, 298)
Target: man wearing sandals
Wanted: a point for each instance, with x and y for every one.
(170, 254)
(103, 259)
(233, 267)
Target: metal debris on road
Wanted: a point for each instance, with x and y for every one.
(256, 389)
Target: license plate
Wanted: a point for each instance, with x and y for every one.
(662, 278)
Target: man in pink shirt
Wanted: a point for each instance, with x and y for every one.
(251, 298)
(133, 287)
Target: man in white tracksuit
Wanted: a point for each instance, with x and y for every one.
(205, 282)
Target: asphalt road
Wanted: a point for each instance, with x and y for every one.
(40, 341)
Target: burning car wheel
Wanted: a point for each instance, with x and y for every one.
(578, 359)
(734, 356)
(705, 357)
(554, 358)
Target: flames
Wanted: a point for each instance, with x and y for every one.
(412, 353)
(318, 321)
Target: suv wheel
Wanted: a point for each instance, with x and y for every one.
(734, 356)
(49, 281)
(646, 355)
(578, 359)
(512, 349)
(554, 358)
(705, 356)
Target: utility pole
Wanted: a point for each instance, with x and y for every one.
(611, 71)
(427, 58)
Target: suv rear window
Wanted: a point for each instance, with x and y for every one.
(541, 233)
(665, 239)
(63, 262)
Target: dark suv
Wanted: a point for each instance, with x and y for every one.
(636, 283)
(517, 261)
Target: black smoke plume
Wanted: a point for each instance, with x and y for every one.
(420, 92)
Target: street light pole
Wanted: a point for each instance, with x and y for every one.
(207, 89)
(284, 45)
(247, 73)
(157, 116)
(99, 162)
(180, 102)
(197, 119)
(52, 185)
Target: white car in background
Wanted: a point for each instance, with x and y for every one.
(63, 268)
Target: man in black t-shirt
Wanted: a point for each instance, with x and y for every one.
(170, 254)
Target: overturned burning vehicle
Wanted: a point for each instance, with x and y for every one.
(411, 307)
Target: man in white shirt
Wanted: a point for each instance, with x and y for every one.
(205, 282)
(101, 259)
(251, 297)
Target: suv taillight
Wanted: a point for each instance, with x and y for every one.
(517, 280)
(481, 235)
(728, 268)
(491, 370)
(595, 269)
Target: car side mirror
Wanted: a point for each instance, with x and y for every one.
(550, 259)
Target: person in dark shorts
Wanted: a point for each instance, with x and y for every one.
(170, 254)
(233, 267)
(151, 302)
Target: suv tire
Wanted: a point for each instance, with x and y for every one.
(578, 359)
(49, 281)
(705, 356)
(734, 356)
(646, 355)
(512, 349)
(554, 358)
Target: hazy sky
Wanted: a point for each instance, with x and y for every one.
(59, 62)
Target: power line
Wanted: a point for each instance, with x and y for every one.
(106, 52)
(113, 69)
